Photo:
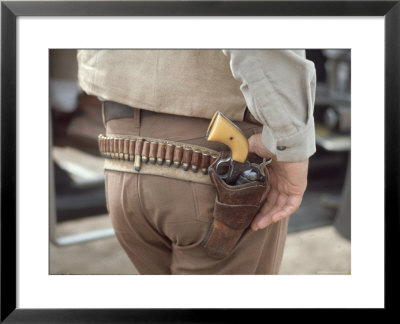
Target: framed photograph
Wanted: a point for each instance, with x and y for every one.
(370, 29)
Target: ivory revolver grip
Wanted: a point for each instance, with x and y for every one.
(223, 130)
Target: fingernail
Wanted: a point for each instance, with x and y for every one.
(266, 224)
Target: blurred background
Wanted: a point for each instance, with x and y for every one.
(81, 237)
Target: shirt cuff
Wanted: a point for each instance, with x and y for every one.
(297, 147)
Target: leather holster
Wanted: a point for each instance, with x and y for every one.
(234, 210)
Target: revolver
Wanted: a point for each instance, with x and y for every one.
(234, 169)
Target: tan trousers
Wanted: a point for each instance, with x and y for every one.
(161, 222)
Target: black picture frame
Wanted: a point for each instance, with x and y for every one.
(10, 11)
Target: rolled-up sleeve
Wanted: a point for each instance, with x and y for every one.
(279, 89)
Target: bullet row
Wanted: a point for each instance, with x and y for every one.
(141, 151)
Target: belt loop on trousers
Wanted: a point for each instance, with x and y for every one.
(114, 110)
(103, 116)
(136, 117)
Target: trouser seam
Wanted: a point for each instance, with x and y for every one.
(142, 209)
(144, 212)
(268, 230)
(274, 266)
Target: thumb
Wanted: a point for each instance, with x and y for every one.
(256, 146)
(254, 143)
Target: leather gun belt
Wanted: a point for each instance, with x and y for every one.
(170, 159)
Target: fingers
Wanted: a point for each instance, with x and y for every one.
(253, 140)
(275, 209)
(284, 212)
(256, 146)
(266, 219)
(265, 209)
(262, 220)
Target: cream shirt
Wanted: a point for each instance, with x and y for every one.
(278, 87)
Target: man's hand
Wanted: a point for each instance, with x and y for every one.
(288, 183)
